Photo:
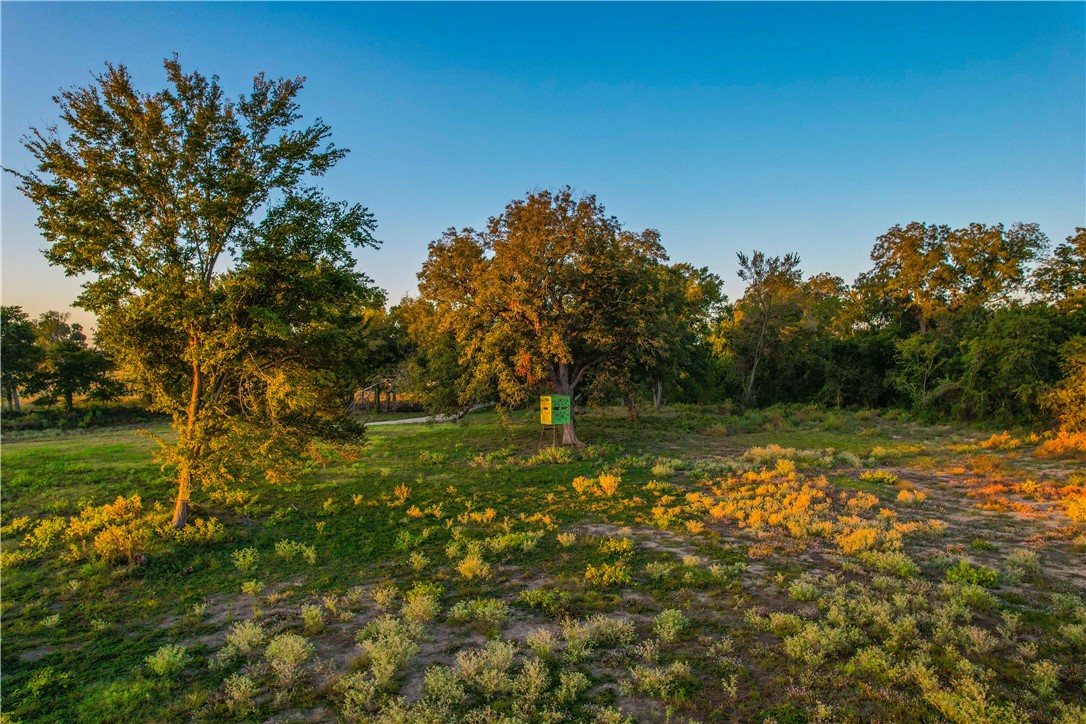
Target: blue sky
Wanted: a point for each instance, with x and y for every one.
(809, 127)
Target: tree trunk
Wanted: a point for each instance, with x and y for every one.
(181, 507)
(15, 398)
(69, 404)
(569, 430)
(191, 452)
(658, 395)
(749, 394)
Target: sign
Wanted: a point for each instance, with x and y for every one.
(554, 410)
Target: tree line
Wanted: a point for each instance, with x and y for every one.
(977, 323)
(226, 294)
(50, 358)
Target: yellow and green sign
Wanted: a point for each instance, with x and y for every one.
(554, 410)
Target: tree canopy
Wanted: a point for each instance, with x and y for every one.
(552, 292)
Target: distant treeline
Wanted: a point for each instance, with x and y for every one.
(981, 323)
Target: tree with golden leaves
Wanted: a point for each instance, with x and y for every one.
(552, 291)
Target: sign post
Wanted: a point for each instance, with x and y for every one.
(554, 410)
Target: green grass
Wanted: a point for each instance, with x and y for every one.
(78, 630)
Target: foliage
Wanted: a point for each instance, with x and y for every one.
(553, 292)
(147, 194)
(20, 353)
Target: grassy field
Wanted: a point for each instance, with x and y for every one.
(791, 565)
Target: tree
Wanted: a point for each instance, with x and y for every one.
(69, 367)
(911, 264)
(1067, 399)
(939, 269)
(1061, 278)
(772, 283)
(20, 353)
(987, 264)
(690, 300)
(149, 193)
(554, 290)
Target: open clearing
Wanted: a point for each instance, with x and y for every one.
(791, 565)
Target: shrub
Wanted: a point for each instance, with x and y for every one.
(879, 477)
(313, 617)
(168, 660)
(489, 613)
(288, 550)
(285, 655)
(856, 540)
(358, 697)
(473, 566)
(896, 563)
(541, 642)
(487, 669)
(244, 638)
(963, 573)
(1064, 444)
(239, 691)
(245, 559)
(443, 687)
(551, 456)
(252, 588)
(606, 575)
(422, 603)
(121, 543)
(551, 600)
(570, 686)
(616, 546)
(567, 539)
(1003, 441)
(803, 590)
(387, 645)
(666, 683)
(909, 496)
(200, 531)
(1025, 559)
(609, 484)
(668, 624)
(384, 594)
(582, 636)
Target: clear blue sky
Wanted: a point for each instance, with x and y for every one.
(785, 127)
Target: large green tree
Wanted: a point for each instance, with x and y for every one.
(553, 291)
(223, 282)
(19, 352)
(69, 366)
(770, 303)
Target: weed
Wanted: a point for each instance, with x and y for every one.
(387, 645)
(541, 642)
(487, 669)
(669, 624)
(384, 594)
(879, 477)
(285, 655)
(239, 691)
(553, 601)
(313, 618)
(606, 575)
(422, 603)
(473, 566)
(489, 613)
(963, 573)
(168, 660)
